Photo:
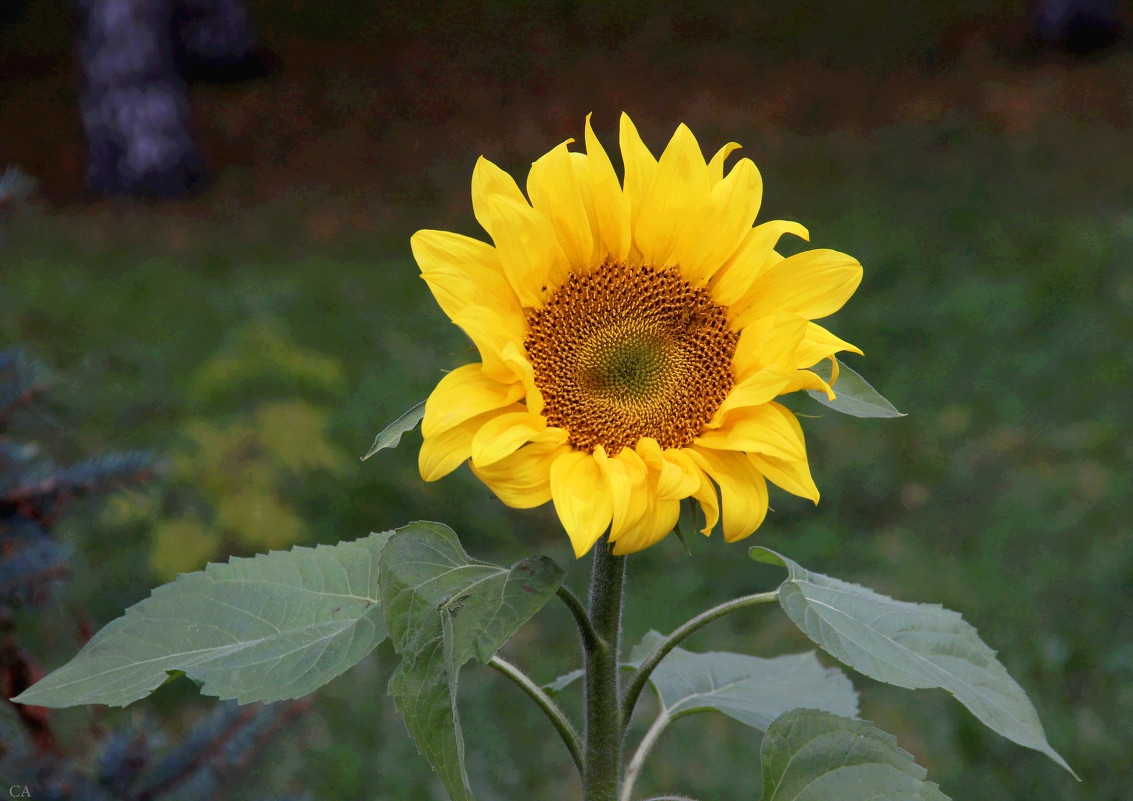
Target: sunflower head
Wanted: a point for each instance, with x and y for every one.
(634, 334)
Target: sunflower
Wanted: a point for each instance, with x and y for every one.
(633, 337)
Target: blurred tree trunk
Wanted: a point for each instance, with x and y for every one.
(133, 98)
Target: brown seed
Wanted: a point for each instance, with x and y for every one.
(627, 352)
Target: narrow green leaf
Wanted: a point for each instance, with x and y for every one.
(854, 395)
(679, 529)
(391, 435)
(811, 755)
(443, 609)
(749, 689)
(267, 628)
(681, 537)
(909, 645)
(562, 682)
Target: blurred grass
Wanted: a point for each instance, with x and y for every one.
(990, 201)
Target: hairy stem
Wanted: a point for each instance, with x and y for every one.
(602, 767)
(554, 713)
(637, 684)
(643, 749)
(578, 612)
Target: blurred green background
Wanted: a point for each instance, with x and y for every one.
(258, 335)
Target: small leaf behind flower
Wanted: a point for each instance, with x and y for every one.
(444, 609)
(749, 689)
(269, 628)
(811, 755)
(391, 435)
(909, 645)
(854, 395)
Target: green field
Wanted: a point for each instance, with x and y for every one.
(989, 198)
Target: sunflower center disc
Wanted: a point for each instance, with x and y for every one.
(626, 352)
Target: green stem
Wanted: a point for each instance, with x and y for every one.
(643, 749)
(637, 684)
(558, 718)
(578, 612)
(602, 767)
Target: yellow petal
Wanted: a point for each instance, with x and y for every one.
(555, 193)
(781, 338)
(709, 502)
(669, 478)
(819, 344)
(805, 379)
(794, 477)
(769, 428)
(814, 283)
(611, 205)
(753, 257)
(678, 192)
(581, 164)
(757, 388)
(712, 236)
(659, 518)
(769, 341)
(491, 331)
(716, 165)
(488, 180)
(442, 453)
(462, 394)
(522, 371)
(629, 489)
(462, 272)
(529, 249)
(743, 490)
(582, 497)
(523, 480)
(699, 485)
(640, 167)
(691, 476)
(746, 360)
(504, 434)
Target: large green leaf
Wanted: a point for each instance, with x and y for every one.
(909, 645)
(424, 689)
(853, 394)
(749, 689)
(810, 755)
(391, 435)
(444, 609)
(267, 628)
